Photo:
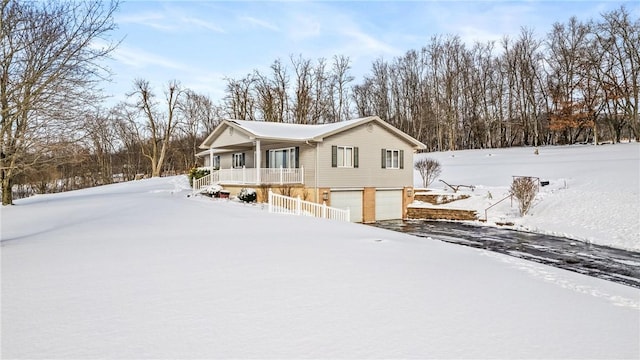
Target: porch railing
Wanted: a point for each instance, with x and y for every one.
(202, 182)
(249, 176)
(281, 204)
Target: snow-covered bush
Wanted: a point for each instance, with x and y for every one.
(211, 190)
(247, 195)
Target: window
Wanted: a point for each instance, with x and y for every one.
(344, 156)
(282, 158)
(392, 159)
(238, 160)
(216, 162)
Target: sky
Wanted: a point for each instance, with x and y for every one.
(200, 43)
(139, 270)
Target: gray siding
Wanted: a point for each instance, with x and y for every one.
(306, 157)
(370, 142)
(226, 159)
(230, 137)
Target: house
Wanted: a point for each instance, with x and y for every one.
(364, 164)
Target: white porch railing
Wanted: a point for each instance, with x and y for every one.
(249, 176)
(281, 204)
(201, 182)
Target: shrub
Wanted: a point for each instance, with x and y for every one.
(429, 169)
(196, 173)
(247, 195)
(524, 189)
(212, 190)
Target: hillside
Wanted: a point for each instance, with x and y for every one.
(593, 193)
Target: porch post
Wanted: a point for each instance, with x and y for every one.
(258, 161)
(210, 166)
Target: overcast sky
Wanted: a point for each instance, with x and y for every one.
(199, 43)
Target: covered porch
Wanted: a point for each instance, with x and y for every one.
(251, 176)
(253, 164)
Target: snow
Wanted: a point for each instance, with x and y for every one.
(300, 132)
(593, 193)
(140, 270)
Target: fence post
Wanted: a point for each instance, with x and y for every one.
(281, 175)
(270, 201)
(302, 174)
(324, 209)
(298, 205)
(348, 214)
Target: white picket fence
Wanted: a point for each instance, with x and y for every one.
(281, 204)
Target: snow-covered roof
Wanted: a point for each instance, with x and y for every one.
(263, 129)
(300, 132)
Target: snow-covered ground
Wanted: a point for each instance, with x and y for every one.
(593, 193)
(139, 270)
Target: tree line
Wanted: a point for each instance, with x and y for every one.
(578, 83)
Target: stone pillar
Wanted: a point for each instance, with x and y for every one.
(408, 194)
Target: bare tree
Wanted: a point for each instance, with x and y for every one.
(524, 189)
(158, 126)
(239, 102)
(567, 49)
(199, 119)
(429, 170)
(339, 90)
(302, 100)
(129, 160)
(100, 141)
(50, 61)
(618, 37)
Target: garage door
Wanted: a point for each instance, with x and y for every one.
(388, 204)
(351, 200)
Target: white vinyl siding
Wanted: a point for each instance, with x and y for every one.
(388, 204)
(368, 172)
(351, 199)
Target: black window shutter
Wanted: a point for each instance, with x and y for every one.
(334, 156)
(243, 160)
(384, 158)
(297, 155)
(355, 157)
(401, 159)
(267, 159)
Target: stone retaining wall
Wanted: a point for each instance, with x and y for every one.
(439, 199)
(440, 214)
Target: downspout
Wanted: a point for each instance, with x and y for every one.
(210, 166)
(258, 162)
(315, 175)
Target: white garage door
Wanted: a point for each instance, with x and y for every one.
(351, 200)
(388, 204)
